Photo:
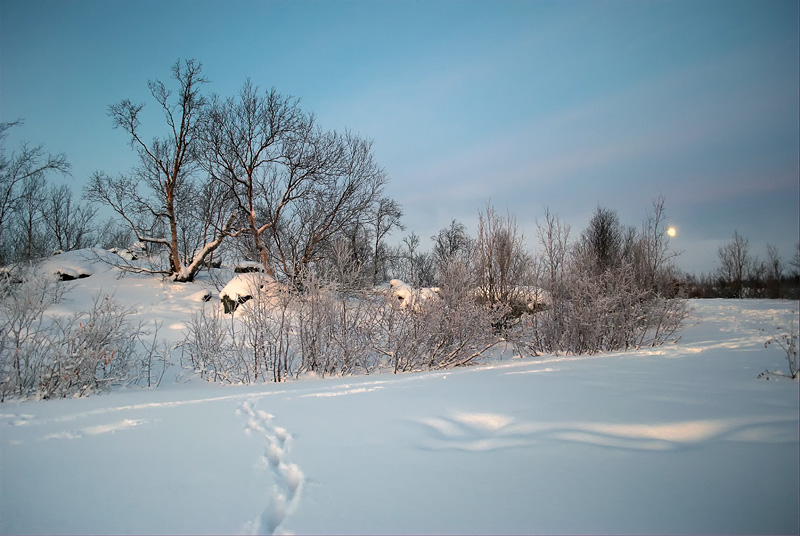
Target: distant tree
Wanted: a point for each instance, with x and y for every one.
(502, 266)
(452, 253)
(735, 264)
(29, 239)
(452, 241)
(602, 241)
(69, 223)
(385, 215)
(417, 266)
(655, 268)
(113, 235)
(774, 262)
(22, 175)
(554, 239)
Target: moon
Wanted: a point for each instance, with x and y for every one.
(672, 231)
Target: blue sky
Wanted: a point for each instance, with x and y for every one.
(529, 104)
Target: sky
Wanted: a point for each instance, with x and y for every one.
(525, 105)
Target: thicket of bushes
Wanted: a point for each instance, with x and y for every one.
(612, 289)
(55, 356)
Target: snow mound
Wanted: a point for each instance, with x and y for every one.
(408, 296)
(77, 264)
(245, 285)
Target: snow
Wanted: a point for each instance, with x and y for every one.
(244, 285)
(408, 296)
(677, 439)
(68, 266)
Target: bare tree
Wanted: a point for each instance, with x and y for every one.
(417, 267)
(340, 181)
(501, 263)
(735, 263)
(69, 223)
(167, 169)
(295, 185)
(245, 140)
(774, 262)
(20, 175)
(774, 271)
(554, 238)
(384, 216)
(113, 235)
(452, 253)
(651, 252)
(30, 240)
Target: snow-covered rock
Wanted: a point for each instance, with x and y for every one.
(246, 267)
(242, 288)
(70, 265)
(408, 296)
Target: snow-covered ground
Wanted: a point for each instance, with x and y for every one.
(678, 439)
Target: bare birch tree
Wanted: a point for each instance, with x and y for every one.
(295, 185)
(167, 170)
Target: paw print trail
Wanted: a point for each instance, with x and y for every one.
(285, 495)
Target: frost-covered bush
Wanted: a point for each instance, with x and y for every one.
(211, 346)
(433, 335)
(57, 356)
(252, 342)
(602, 312)
(608, 291)
(90, 350)
(329, 330)
(785, 338)
(335, 327)
(25, 333)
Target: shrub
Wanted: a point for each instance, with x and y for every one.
(58, 356)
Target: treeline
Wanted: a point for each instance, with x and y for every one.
(741, 274)
(253, 177)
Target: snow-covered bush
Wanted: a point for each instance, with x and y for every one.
(249, 342)
(90, 351)
(212, 347)
(334, 330)
(330, 330)
(24, 331)
(59, 356)
(268, 333)
(599, 312)
(786, 339)
(434, 334)
(606, 292)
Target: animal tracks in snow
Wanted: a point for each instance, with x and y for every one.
(285, 495)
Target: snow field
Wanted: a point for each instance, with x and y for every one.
(679, 439)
